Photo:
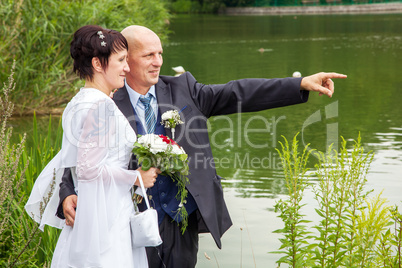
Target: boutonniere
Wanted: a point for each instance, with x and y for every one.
(170, 119)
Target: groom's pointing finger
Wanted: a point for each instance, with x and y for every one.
(335, 75)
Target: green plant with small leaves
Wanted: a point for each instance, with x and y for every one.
(340, 194)
(294, 244)
(389, 250)
(353, 230)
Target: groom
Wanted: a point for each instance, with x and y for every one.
(197, 102)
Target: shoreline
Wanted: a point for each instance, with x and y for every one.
(381, 8)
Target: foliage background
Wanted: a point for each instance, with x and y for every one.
(37, 34)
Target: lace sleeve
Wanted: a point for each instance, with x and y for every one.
(97, 137)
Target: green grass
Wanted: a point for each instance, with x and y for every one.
(44, 148)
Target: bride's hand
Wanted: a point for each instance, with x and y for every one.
(148, 177)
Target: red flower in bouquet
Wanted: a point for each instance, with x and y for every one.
(168, 140)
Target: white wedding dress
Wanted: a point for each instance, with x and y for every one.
(97, 143)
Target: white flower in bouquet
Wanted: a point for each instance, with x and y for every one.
(177, 149)
(154, 143)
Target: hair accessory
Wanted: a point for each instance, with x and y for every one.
(101, 36)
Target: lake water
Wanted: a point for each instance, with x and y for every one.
(217, 49)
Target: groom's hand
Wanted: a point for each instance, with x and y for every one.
(320, 82)
(69, 205)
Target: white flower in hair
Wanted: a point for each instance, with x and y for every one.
(101, 36)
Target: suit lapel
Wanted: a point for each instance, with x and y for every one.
(165, 102)
(122, 101)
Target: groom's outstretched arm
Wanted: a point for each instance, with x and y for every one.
(67, 198)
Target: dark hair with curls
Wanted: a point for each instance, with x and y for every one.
(94, 41)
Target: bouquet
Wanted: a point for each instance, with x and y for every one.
(164, 153)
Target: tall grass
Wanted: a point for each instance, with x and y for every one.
(354, 230)
(16, 230)
(44, 148)
(21, 242)
(38, 35)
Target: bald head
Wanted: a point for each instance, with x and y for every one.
(135, 34)
(144, 57)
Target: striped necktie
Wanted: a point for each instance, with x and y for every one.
(150, 119)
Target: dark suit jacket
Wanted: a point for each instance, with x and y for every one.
(198, 102)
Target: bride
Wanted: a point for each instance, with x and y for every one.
(97, 144)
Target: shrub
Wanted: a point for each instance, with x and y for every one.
(38, 35)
